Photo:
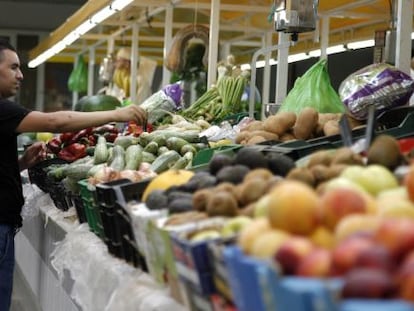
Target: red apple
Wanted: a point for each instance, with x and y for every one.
(345, 253)
(409, 182)
(340, 202)
(396, 234)
(317, 263)
(291, 252)
(368, 283)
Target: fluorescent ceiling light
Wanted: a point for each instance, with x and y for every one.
(84, 27)
(118, 5)
(102, 15)
(297, 57)
(360, 44)
(315, 53)
(335, 49)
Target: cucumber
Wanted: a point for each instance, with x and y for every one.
(162, 150)
(94, 169)
(165, 161)
(101, 153)
(160, 140)
(179, 164)
(133, 157)
(118, 161)
(188, 148)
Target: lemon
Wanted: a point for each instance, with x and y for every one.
(44, 136)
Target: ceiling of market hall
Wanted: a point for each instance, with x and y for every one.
(242, 22)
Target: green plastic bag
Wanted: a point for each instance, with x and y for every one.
(314, 90)
(78, 78)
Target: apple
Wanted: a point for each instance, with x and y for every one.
(317, 263)
(368, 283)
(291, 252)
(375, 256)
(294, 207)
(405, 277)
(252, 231)
(261, 207)
(233, 225)
(268, 243)
(44, 136)
(205, 234)
(342, 182)
(373, 178)
(340, 202)
(345, 253)
(395, 207)
(409, 182)
(396, 234)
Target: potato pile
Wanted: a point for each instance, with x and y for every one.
(285, 126)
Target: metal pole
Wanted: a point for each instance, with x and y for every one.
(282, 69)
(213, 42)
(166, 74)
(404, 29)
(91, 71)
(266, 71)
(134, 62)
(324, 37)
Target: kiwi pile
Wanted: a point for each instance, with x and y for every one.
(229, 185)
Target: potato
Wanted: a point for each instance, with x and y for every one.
(345, 155)
(256, 140)
(331, 127)
(265, 134)
(254, 126)
(288, 136)
(280, 122)
(323, 157)
(302, 174)
(320, 173)
(241, 136)
(306, 123)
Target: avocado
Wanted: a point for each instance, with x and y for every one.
(279, 164)
(218, 161)
(180, 205)
(232, 173)
(250, 157)
(157, 199)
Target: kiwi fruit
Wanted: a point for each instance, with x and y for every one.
(200, 198)
(302, 174)
(262, 173)
(251, 190)
(385, 151)
(222, 203)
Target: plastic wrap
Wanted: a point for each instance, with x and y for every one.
(160, 103)
(102, 282)
(380, 84)
(314, 90)
(34, 199)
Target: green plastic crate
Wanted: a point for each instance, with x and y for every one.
(91, 207)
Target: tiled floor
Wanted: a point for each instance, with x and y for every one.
(22, 299)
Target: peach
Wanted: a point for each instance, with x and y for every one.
(294, 207)
(355, 223)
(340, 202)
(317, 263)
(396, 234)
(291, 252)
(252, 231)
(345, 253)
(323, 237)
(405, 278)
(375, 256)
(409, 182)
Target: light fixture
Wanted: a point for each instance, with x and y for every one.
(315, 53)
(98, 17)
(360, 44)
(297, 57)
(335, 49)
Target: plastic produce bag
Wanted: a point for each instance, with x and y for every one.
(380, 84)
(78, 78)
(162, 102)
(314, 90)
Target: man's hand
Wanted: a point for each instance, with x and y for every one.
(131, 113)
(35, 153)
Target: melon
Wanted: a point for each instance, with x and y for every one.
(166, 180)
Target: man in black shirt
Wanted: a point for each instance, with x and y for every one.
(15, 119)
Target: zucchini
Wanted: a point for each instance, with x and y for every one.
(94, 169)
(179, 164)
(165, 161)
(118, 161)
(188, 148)
(151, 147)
(133, 157)
(161, 140)
(101, 153)
(189, 136)
(125, 141)
(162, 149)
(176, 143)
(77, 171)
(148, 157)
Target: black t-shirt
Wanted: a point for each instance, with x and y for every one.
(11, 196)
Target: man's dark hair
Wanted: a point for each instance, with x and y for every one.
(5, 45)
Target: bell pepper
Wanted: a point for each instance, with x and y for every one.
(67, 136)
(72, 152)
(82, 133)
(54, 145)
